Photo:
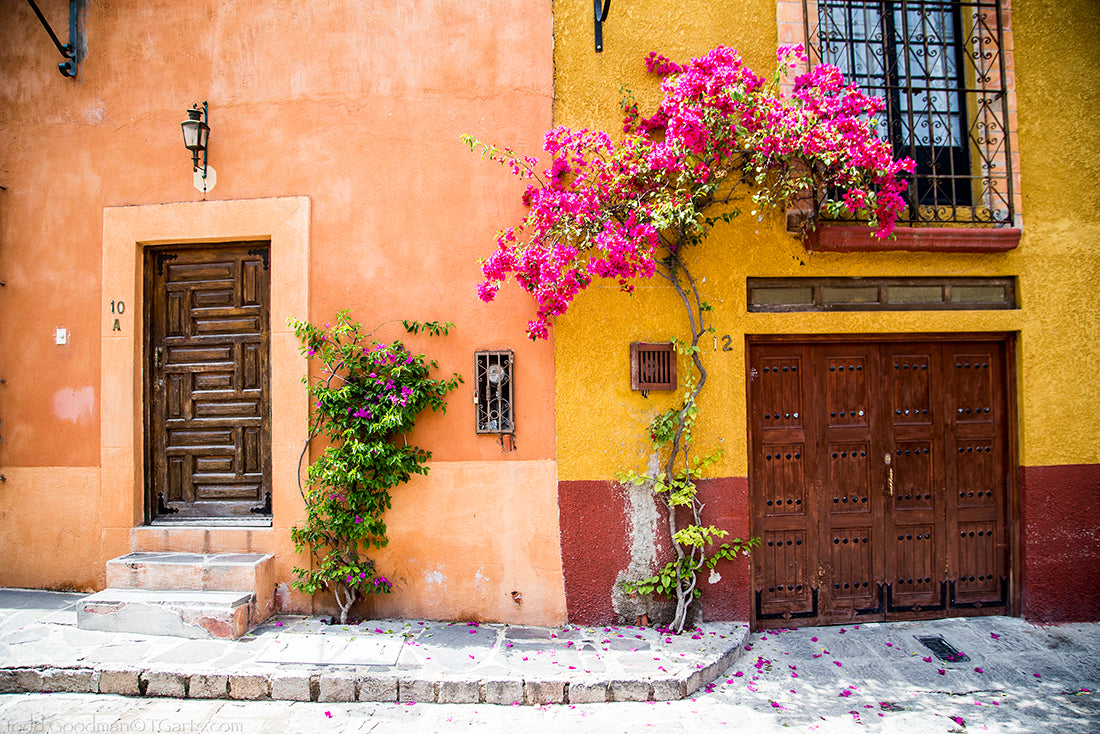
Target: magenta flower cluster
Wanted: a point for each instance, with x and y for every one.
(607, 208)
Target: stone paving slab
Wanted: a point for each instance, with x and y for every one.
(318, 649)
(295, 658)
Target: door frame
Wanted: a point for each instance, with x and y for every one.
(151, 261)
(127, 231)
(1012, 500)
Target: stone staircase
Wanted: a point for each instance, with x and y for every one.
(194, 595)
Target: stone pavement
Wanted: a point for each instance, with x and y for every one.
(1001, 674)
(296, 658)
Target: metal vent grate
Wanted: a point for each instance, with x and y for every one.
(943, 649)
(652, 366)
(494, 397)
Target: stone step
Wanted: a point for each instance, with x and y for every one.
(178, 613)
(193, 571)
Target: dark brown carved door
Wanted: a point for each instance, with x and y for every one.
(208, 416)
(879, 479)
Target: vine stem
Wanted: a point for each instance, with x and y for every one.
(687, 564)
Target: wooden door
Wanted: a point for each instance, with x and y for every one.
(879, 479)
(208, 395)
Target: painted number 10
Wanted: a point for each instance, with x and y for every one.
(118, 307)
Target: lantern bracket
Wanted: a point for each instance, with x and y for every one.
(67, 50)
(600, 9)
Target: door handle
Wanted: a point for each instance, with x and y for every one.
(158, 357)
(889, 476)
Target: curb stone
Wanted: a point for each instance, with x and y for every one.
(208, 685)
(378, 689)
(120, 682)
(248, 687)
(164, 685)
(583, 692)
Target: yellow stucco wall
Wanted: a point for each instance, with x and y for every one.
(601, 421)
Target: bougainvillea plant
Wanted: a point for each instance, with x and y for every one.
(632, 206)
(626, 208)
(365, 399)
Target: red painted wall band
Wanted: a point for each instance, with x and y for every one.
(1060, 520)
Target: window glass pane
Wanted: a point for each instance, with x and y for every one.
(907, 51)
(782, 296)
(867, 294)
(915, 294)
(978, 294)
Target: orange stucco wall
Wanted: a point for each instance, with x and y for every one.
(355, 109)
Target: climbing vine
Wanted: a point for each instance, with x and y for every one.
(366, 397)
(633, 206)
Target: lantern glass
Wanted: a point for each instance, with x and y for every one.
(195, 131)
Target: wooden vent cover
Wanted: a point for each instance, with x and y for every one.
(652, 366)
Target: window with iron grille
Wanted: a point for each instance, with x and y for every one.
(652, 366)
(940, 66)
(494, 398)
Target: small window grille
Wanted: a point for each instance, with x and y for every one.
(652, 366)
(494, 396)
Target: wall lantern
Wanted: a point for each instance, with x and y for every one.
(196, 133)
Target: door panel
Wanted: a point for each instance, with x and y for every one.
(879, 479)
(208, 420)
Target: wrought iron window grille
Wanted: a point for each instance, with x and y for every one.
(494, 397)
(940, 66)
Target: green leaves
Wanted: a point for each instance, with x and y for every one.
(366, 396)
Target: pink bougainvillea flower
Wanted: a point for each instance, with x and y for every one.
(615, 209)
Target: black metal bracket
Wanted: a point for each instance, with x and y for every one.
(163, 257)
(812, 612)
(264, 254)
(600, 9)
(1002, 602)
(67, 50)
(881, 602)
(265, 508)
(162, 506)
(890, 608)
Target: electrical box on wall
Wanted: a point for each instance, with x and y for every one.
(494, 396)
(652, 366)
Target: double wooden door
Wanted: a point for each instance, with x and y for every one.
(880, 478)
(207, 382)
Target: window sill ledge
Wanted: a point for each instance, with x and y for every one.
(857, 238)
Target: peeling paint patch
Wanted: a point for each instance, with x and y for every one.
(433, 577)
(643, 523)
(74, 405)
